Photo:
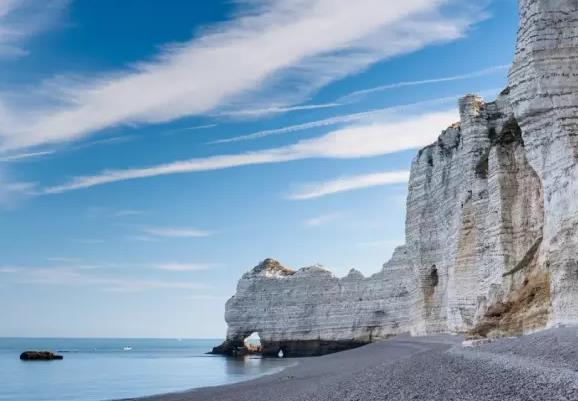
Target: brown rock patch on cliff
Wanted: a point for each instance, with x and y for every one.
(527, 309)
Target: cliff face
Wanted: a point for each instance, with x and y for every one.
(544, 96)
(475, 217)
(492, 223)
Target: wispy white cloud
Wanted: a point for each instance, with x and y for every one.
(191, 128)
(89, 241)
(348, 99)
(350, 142)
(80, 264)
(199, 127)
(22, 19)
(183, 267)
(322, 219)
(79, 277)
(381, 113)
(12, 193)
(246, 61)
(396, 85)
(16, 157)
(106, 141)
(142, 238)
(64, 259)
(176, 232)
(251, 113)
(344, 184)
(100, 212)
(127, 212)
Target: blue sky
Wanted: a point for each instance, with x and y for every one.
(152, 152)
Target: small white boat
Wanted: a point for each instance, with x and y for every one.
(127, 349)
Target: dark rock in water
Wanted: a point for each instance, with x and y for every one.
(39, 356)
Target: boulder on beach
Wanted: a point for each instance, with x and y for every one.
(39, 356)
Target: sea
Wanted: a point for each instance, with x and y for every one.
(112, 369)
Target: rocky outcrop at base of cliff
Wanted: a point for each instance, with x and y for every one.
(491, 227)
(289, 349)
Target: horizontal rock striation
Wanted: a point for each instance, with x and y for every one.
(491, 227)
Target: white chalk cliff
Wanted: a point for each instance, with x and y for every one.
(491, 228)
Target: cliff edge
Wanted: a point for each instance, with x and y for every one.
(491, 228)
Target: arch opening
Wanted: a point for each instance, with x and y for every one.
(252, 343)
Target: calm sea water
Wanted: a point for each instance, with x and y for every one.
(106, 369)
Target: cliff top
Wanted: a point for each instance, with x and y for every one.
(270, 267)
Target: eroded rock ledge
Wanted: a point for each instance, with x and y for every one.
(491, 227)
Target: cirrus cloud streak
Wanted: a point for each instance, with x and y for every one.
(350, 183)
(351, 142)
(242, 62)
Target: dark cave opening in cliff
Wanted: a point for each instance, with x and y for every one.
(433, 276)
(430, 282)
(253, 343)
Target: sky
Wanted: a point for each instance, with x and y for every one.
(152, 152)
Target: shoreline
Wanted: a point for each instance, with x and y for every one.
(541, 366)
(348, 361)
(185, 393)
